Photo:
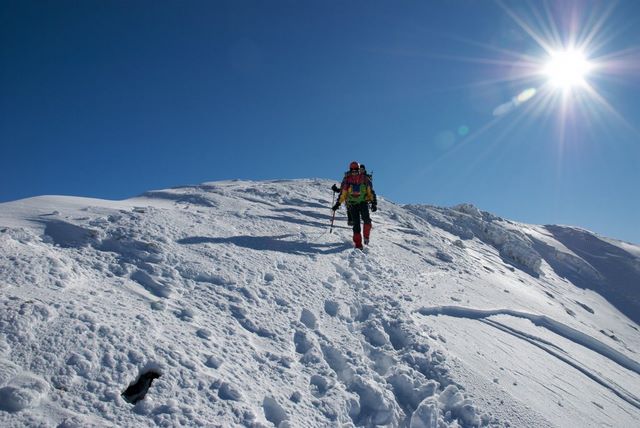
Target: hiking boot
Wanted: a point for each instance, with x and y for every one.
(367, 231)
(357, 240)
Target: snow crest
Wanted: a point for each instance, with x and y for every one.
(468, 222)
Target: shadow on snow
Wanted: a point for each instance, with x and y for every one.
(618, 272)
(311, 223)
(306, 213)
(271, 243)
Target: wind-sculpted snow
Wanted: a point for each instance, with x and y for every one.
(577, 255)
(606, 268)
(558, 328)
(542, 321)
(467, 222)
(180, 197)
(231, 304)
(68, 235)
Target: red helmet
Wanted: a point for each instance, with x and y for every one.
(354, 165)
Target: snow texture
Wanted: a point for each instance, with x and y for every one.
(231, 304)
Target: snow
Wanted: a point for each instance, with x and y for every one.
(231, 304)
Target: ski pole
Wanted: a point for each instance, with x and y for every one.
(333, 216)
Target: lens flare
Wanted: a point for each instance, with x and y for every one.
(519, 99)
(526, 95)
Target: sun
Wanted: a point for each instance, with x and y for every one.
(567, 69)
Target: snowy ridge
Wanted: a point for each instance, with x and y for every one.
(230, 304)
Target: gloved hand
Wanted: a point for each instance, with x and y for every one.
(374, 207)
(336, 206)
(335, 188)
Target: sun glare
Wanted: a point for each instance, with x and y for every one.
(560, 73)
(567, 69)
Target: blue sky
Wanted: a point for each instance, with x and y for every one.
(111, 98)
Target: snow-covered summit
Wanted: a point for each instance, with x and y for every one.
(230, 304)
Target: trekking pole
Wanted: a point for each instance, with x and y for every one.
(333, 216)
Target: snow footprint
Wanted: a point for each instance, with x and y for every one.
(375, 334)
(239, 314)
(331, 307)
(151, 284)
(274, 412)
(22, 392)
(319, 385)
(338, 364)
(308, 319)
(399, 337)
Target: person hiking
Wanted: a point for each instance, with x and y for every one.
(338, 190)
(374, 202)
(356, 192)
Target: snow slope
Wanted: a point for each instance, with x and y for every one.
(234, 306)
